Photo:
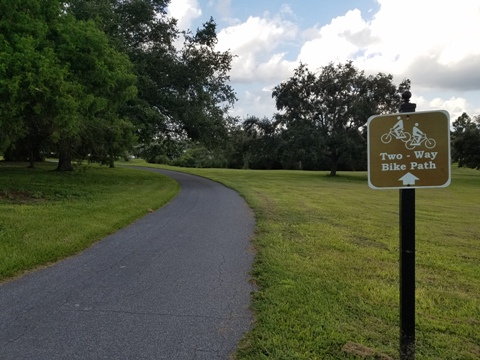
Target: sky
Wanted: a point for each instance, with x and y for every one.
(433, 43)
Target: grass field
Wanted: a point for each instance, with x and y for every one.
(47, 215)
(328, 272)
(327, 264)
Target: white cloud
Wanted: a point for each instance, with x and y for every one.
(275, 68)
(337, 41)
(259, 100)
(431, 42)
(185, 11)
(441, 34)
(255, 35)
(254, 43)
(400, 35)
(454, 105)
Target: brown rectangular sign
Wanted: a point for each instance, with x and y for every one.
(409, 150)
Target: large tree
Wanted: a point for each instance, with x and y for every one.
(36, 96)
(203, 95)
(183, 90)
(61, 83)
(336, 103)
(106, 82)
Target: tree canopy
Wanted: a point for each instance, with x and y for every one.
(87, 78)
(34, 88)
(62, 84)
(182, 80)
(334, 104)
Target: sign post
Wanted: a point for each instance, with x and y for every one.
(407, 255)
(406, 151)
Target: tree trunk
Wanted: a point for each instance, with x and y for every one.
(64, 160)
(31, 159)
(333, 168)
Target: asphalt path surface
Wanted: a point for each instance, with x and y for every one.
(173, 285)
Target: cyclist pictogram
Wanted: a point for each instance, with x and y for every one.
(417, 138)
(396, 132)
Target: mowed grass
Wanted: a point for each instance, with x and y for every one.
(46, 215)
(327, 266)
(327, 259)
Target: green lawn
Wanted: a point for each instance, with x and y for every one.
(327, 261)
(328, 272)
(46, 215)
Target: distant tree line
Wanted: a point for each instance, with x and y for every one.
(320, 125)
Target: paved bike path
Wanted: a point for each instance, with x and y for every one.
(173, 285)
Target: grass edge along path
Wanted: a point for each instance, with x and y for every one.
(46, 215)
(327, 266)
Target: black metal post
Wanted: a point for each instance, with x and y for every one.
(407, 260)
(407, 274)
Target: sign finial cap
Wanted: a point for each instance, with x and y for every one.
(407, 106)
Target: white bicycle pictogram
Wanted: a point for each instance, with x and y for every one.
(397, 134)
(418, 140)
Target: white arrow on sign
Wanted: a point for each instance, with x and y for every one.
(408, 179)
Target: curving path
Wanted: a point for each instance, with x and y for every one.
(174, 285)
